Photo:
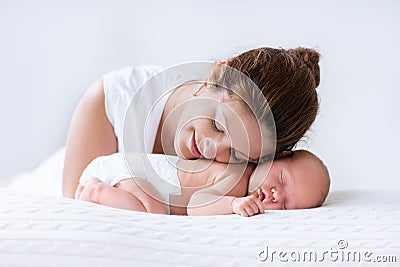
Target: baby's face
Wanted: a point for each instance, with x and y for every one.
(298, 182)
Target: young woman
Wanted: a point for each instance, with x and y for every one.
(202, 119)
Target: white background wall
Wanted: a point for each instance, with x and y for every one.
(51, 51)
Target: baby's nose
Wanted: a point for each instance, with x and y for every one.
(276, 195)
(269, 196)
(209, 148)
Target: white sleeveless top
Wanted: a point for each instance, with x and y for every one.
(120, 87)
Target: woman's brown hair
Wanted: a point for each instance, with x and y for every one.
(288, 80)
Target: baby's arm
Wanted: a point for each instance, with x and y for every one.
(224, 197)
(127, 194)
(245, 206)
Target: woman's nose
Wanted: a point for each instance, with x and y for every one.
(214, 147)
(208, 148)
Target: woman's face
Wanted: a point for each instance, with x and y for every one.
(214, 126)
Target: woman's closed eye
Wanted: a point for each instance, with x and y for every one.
(238, 157)
(234, 157)
(217, 127)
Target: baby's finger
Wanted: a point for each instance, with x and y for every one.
(256, 204)
(243, 213)
(260, 206)
(249, 211)
(254, 207)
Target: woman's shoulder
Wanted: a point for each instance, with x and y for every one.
(131, 77)
(119, 87)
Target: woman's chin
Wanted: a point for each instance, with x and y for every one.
(185, 154)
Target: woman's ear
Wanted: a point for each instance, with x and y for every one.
(224, 62)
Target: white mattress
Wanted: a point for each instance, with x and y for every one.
(52, 231)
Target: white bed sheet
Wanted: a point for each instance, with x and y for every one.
(53, 231)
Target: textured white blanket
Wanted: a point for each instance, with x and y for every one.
(52, 231)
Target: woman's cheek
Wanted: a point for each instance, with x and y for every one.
(181, 144)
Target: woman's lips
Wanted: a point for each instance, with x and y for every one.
(194, 148)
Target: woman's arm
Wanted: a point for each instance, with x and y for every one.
(90, 135)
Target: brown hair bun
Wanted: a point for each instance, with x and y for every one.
(310, 58)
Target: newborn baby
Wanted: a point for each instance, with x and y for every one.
(297, 182)
(169, 185)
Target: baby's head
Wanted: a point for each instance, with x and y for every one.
(298, 182)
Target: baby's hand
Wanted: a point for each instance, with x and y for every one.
(89, 191)
(247, 206)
